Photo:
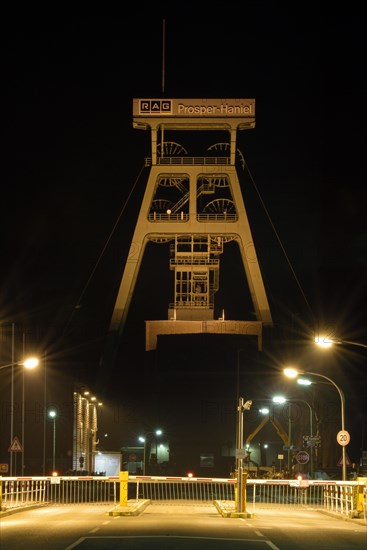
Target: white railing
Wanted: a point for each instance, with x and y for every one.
(204, 217)
(346, 498)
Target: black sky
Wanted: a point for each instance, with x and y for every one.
(71, 158)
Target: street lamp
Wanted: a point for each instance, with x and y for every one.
(143, 439)
(294, 373)
(53, 415)
(326, 342)
(279, 399)
(29, 363)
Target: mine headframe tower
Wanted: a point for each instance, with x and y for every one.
(195, 204)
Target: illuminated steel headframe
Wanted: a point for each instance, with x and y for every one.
(291, 372)
(193, 203)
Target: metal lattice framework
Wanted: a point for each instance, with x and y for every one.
(195, 204)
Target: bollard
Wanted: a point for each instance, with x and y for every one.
(124, 479)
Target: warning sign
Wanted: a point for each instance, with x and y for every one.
(15, 446)
(347, 461)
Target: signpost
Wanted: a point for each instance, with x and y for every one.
(343, 438)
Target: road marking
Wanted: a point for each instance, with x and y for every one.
(164, 537)
(273, 546)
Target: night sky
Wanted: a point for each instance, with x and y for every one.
(71, 159)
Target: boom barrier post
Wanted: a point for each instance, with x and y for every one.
(124, 482)
(244, 483)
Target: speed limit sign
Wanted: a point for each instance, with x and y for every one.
(343, 438)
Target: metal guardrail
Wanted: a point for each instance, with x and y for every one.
(344, 498)
(188, 161)
(191, 160)
(200, 217)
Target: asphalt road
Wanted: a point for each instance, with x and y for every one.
(176, 527)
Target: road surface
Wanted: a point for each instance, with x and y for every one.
(177, 527)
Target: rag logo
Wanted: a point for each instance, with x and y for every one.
(155, 106)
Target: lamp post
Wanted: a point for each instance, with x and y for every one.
(325, 342)
(294, 373)
(241, 407)
(143, 439)
(53, 415)
(29, 363)
(280, 399)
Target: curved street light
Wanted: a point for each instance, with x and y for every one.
(29, 363)
(143, 439)
(326, 342)
(294, 373)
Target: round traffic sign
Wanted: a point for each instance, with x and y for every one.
(302, 457)
(343, 438)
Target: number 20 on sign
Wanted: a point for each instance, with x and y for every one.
(343, 438)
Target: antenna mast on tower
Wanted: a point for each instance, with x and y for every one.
(163, 53)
